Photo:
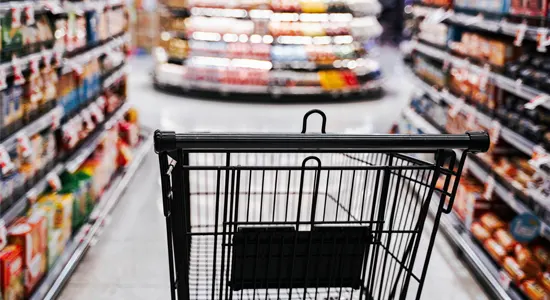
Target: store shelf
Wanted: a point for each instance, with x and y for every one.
(475, 256)
(75, 250)
(116, 76)
(37, 126)
(518, 141)
(96, 52)
(480, 173)
(71, 164)
(457, 234)
(478, 21)
(267, 14)
(515, 87)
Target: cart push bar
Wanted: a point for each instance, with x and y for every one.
(200, 142)
(296, 216)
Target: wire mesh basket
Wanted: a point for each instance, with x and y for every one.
(305, 216)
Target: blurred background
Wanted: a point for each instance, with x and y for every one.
(84, 84)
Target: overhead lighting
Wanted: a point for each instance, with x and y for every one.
(343, 39)
(230, 37)
(207, 36)
(243, 38)
(267, 39)
(256, 38)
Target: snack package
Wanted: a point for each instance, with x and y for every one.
(480, 232)
(545, 281)
(505, 239)
(542, 255)
(513, 269)
(495, 249)
(12, 38)
(491, 222)
(11, 273)
(533, 290)
(31, 235)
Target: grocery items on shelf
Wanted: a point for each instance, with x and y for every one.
(260, 46)
(476, 74)
(66, 132)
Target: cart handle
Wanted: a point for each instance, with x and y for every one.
(236, 142)
(323, 122)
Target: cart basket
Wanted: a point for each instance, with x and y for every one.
(308, 215)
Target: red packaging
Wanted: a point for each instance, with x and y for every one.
(11, 272)
(31, 235)
(350, 78)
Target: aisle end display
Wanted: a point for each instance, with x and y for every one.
(483, 65)
(69, 141)
(269, 47)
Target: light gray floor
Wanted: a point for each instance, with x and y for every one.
(129, 260)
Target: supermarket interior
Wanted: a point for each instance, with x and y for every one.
(85, 212)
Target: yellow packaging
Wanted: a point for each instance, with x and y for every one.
(47, 207)
(65, 205)
(337, 82)
(324, 80)
(313, 6)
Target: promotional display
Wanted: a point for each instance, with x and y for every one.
(66, 133)
(269, 47)
(480, 76)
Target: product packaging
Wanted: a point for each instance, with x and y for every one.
(11, 273)
(30, 233)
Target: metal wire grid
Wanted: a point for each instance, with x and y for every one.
(229, 191)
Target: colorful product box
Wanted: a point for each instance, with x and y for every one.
(11, 273)
(31, 235)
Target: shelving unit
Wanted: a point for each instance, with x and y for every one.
(79, 120)
(451, 104)
(53, 283)
(346, 62)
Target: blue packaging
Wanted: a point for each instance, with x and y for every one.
(91, 26)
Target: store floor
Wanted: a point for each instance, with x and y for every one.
(129, 260)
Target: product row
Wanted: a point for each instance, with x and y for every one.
(24, 33)
(530, 8)
(318, 54)
(37, 154)
(532, 122)
(305, 6)
(29, 95)
(327, 80)
(510, 168)
(34, 242)
(510, 240)
(360, 28)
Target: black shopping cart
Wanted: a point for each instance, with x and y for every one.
(305, 216)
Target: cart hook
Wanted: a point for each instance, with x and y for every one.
(315, 111)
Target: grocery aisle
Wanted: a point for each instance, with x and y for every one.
(129, 260)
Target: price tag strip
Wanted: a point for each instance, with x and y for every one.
(537, 101)
(520, 34)
(542, 39)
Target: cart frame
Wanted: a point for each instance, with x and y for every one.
(217, 251)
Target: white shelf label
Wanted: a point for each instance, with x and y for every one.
(504, 279)
(456, 108)
(542, 39)
(494, 131)
(6, 165)
(489, 187)
(29, 14)
(520, 34)
(538, 100)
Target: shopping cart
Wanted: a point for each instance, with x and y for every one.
(305, 216)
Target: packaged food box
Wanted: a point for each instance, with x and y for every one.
(30, 233)
(533, 290)
(12, 38)
(11, 273)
